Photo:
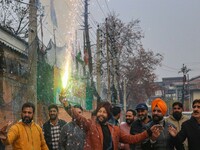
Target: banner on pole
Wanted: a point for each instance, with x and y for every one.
(53, 13)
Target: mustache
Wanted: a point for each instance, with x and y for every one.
(102, 121)
(129, 120)
(26, 117)
(155, 116)
(104, 118)
(195, 111)
(100, 116)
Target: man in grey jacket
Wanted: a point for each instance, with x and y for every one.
(164, 141)
(72, 136)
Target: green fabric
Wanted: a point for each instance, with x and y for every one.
(57, 83)
(44, 83)
(78, 58)
(89, 97)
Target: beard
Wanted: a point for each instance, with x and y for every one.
(129, 121)
(156, 118)
(142, 117)
(26, 120)
(177, 115)
(101, 119)
(53, 117)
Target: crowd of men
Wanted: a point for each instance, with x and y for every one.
(103, 131)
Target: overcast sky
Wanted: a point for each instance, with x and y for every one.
(171, 28)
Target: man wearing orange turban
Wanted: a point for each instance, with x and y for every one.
(160, 104)
(164, 140)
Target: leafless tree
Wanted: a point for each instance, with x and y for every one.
(14, 17)
(132, 61)
(139, 72)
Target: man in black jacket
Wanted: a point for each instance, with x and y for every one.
(72, 136)
(52, 128)
(139, 125)
(116, 112)
(2, 147)
(190, 129)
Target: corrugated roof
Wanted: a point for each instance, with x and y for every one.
(13, 41)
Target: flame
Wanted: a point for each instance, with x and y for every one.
(67, 71)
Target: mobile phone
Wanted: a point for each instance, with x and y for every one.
(160, 127)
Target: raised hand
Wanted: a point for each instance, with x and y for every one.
(3, 130)
(63, 99)
(172, 131)
(155, 132)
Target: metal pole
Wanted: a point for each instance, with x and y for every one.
(184, 70)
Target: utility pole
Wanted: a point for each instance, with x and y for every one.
(125, 95)
(54, 37)
(108, 63)
(42, 35)
(98, 62)
(1, 73)
(87, 38)
(84, 66)
(76, 52)
(184, 70)
(88, 49)
(32, 55)
(115, 64)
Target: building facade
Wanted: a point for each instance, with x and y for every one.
(171, 90)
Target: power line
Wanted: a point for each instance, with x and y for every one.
(59, 34)
(168, 70)
(80, 1)
(92, 22)
(101, 9)
(52, 34)
(92, 17)
(72, 10)
(175, 69)
(107, 6)
(193, 63)
(92, 36)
